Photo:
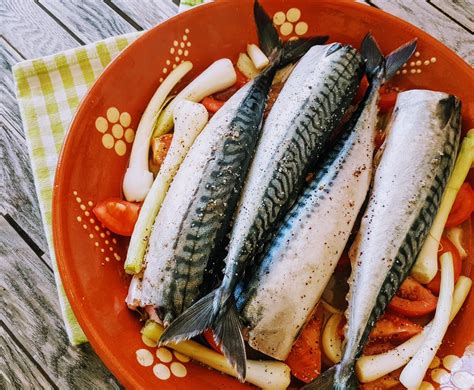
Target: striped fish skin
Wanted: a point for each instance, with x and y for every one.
(303, 254)
(409, 182)
(196, 212)
(309, 107)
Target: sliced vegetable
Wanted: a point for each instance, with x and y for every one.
(282, 74)
(426, 265)
(258, 57)
(304, 359)
(160, 147)
(329, 308)
(218, 76)
(331, 340)
(264, 374)
(394, 328)
(455, 235)
(212, 105)
(413, 299)
(246, 66)
(370, 368)
(190, 119)
(241, 79)
(117, 215)
(462, 207)
(209, 336)
(414, 372)
(387, 101)
(446, 246)
(138, 179)
(376, 347)
(389, 381)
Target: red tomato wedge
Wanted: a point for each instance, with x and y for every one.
(117, 215)
(377, 347)
(413, 299)
(387, 100)
(379, 139)
(462, 207)
(304, 359)
(241, 79)
(212, 105)
(446, 245)
(160, 147)
(394, 328)
(364, 84)
(208, 335)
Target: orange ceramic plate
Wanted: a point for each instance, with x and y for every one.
(88, 172)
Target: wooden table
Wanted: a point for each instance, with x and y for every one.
(34, 350)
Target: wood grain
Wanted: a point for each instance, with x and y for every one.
(34, 32)
(90, 20)
(147, 13)
(461, 11)
(426, 17)
(17, 190)
(18, 370)
(30, 309)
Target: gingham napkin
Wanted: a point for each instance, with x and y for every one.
(49, 90)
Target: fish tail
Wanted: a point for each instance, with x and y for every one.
(337, 377)
(280, 53)
(215, 311)
(378, 66)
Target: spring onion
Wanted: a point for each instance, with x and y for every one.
(371, 368)
(246, 66)
(138, 179)
(426, 265)
(218, 76)
(258, 57)
(264, 374)
(414, 372)
(455, 236)
(331, 342)
(189, 119)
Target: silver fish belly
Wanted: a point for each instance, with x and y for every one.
(295, 134)
(197, 209)
(421, 147)
(302, 256)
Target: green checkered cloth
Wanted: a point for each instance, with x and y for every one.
(49, 90)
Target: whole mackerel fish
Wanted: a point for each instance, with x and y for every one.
(284, 290)
(295, 134)
(420, 150)
(197, 210)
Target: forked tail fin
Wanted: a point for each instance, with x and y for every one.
(382, 67)
(334, 378)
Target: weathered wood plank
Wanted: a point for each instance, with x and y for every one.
(460, 10)
(30, 309)
(425, 16)
(90, 20)
(17, 197)
(18, 371)
(33, 31)
(146, 13)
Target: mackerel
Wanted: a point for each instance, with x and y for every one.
(295, 134)
(197, 209)
(420, 150)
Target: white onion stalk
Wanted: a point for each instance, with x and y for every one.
(371, 368)
(189, 119)
(455, 236)
(218, 76)
(258, 57)
(414, 372)
(264, 374)
(246, 66)
(138, 178)
(331, 342)
(426, 265)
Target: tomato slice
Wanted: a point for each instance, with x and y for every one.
(387, 100)
(304, 359)
(394, 328)
(413, 299)
(343, 262)
(446, 245)
(160, 147)
(389, 381)
(364, 84)
(117, 215)
(377, 347)
(208, 335)
(462, 207)
(212, 105)
(241, 79)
